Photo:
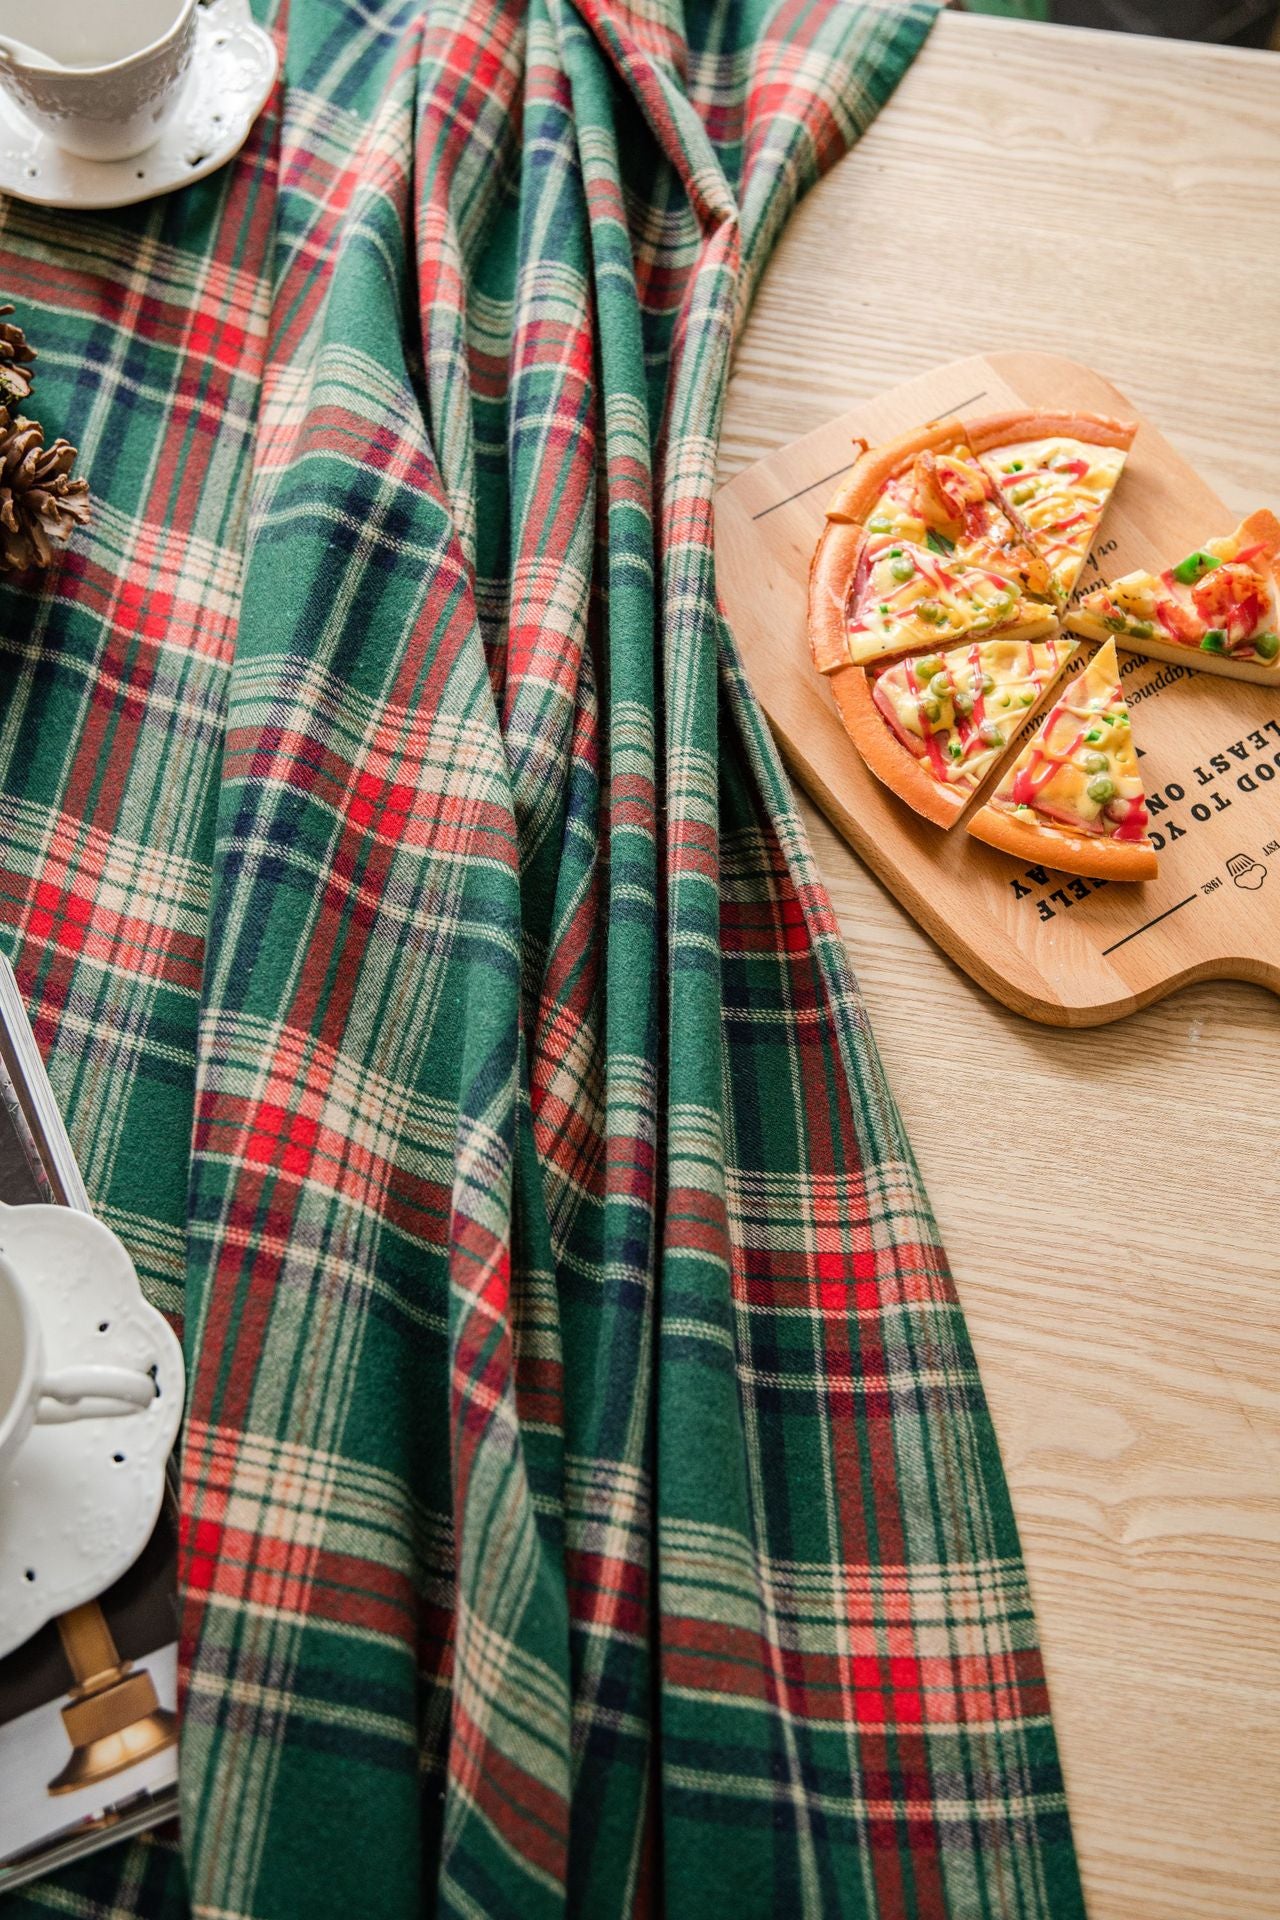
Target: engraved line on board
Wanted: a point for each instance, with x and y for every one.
(1150, 923)
(827, 477)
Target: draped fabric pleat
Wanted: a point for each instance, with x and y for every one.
(589, 1503)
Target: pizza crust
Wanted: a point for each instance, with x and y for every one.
(871, 472)
(831, 574)
(1260, 529)
(884, 753)
(1004, 429)
(1039, 844)
(1263, 673)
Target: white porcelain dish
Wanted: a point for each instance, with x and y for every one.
(233, 69)
(78, 1500)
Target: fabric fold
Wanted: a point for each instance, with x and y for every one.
(589, 1502)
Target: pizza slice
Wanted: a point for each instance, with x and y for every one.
(871, 598)
(932, 727)
(1073, 798)
(1056, 473)
(927, 489)
(1218, 608)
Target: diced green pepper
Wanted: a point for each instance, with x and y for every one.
(1215, 640)
(955, 749)
(938, 542)
(1195, 566)
(1093, 736)
(1114, 622)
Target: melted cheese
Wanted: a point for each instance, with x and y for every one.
(1080, 769)
(1231, 609)
(949, 500)
(957, 711)
(1056, 490)
(910, 597)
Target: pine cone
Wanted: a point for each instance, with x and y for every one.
(15, 360)
(39, 501)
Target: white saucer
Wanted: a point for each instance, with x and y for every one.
(233, 69)
(79, 1500)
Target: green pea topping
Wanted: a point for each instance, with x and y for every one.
(878, 524)
(1101, 788)
(1014, 466)
(1115, 622)
(903, 567)
(1215, 641)
(1028, 699)
(963, 702)
(939, 686)
(1021, 495)
(1266, 645)
(1096, 762)
(988, 683)
(1141, 629)
(929, 611)
(931, 709)
(991, 734)
(1006, 700)
(926, 666)
(1195, 566)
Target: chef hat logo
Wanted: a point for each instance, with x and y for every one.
(1246, 872)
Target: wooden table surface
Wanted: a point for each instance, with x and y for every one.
(1116, 199)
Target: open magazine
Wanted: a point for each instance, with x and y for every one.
(73, 1777)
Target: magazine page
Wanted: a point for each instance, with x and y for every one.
(88, 1726)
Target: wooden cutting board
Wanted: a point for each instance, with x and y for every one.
(1062, 950)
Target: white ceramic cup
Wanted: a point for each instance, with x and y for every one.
(29, 1395)
(100, 77)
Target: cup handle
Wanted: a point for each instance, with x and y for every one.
(86, 1393)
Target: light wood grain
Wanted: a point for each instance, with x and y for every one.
(1121, 1276)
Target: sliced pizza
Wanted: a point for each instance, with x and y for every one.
(1056, 473)
(932, 727)
(926, 489)
(1073, 798)
(1218, 607)
(872, 597)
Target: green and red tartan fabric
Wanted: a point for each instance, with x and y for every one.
(590, 1505)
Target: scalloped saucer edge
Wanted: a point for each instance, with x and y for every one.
(233, 70)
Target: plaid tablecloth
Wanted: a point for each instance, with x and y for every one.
(590, 1504)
